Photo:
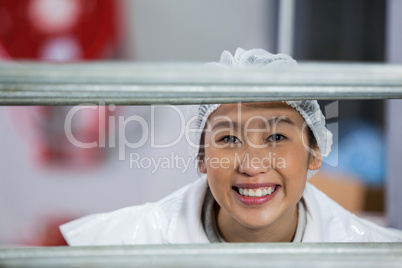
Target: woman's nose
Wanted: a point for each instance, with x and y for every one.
(255, 162)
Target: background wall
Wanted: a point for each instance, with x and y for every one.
(197, 30)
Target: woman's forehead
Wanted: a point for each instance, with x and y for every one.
(277, 108)
(246, 113)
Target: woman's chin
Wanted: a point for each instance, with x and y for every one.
(257, 222)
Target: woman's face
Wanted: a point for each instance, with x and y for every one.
(256, 162)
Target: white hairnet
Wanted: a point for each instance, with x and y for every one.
(308, 109)
(255, 57)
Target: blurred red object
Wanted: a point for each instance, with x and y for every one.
(42, 232)
(44, 128)
(58, 30)
(3, 53)
(61, 31)
(49, 234)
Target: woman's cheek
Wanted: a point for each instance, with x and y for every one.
(292, 160)
(221, 158)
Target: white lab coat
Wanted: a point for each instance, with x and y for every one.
(176, 219)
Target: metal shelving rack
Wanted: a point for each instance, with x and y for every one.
(25, 83)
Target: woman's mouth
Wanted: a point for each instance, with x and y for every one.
(257, 192)
(255, 195)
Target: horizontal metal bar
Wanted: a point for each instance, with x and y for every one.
(128, 83)
(213, 255)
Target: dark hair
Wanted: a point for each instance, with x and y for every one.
(312, 142)
(201, 150)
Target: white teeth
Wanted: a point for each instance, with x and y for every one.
(263, 191)
(251, 192)
(258, 193)
(245, 192)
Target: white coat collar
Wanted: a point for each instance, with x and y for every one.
(327, 221)
(186, 226)
(324, 222)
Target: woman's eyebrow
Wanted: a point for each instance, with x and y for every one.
(271, 122)
(226, 124)
(274, 121)
(281, 119)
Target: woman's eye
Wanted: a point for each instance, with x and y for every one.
(276, 138)
(230, 139)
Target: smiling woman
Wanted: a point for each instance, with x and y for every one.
(257, 197)
(255, 159)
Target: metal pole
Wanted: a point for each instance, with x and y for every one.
(134, 84)
(393, 123)
(286, 26)
(284, 255)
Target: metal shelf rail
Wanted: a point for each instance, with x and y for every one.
(288, 255)
(30, 83)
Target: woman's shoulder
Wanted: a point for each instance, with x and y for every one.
(327, 221)
(142, 224)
